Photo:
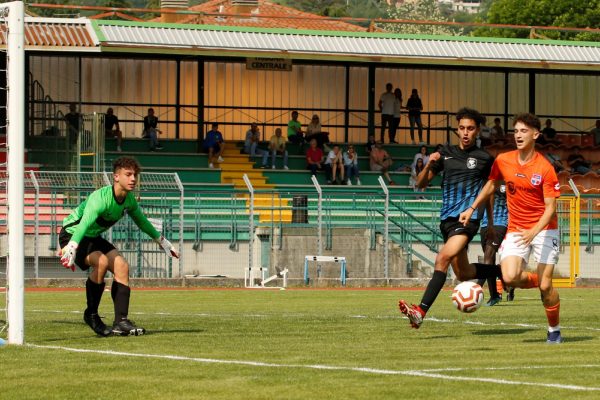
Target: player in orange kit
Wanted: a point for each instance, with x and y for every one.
(531, 191)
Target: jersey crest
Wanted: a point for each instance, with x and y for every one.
(471, 162)
(536, 179)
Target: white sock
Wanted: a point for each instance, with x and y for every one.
(554, 328)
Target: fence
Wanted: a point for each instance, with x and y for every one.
(384, 234)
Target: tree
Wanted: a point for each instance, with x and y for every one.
(560, 13)
(419, 10)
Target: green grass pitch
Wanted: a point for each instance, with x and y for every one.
(304, 344)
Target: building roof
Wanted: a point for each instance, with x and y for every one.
(279, 16)
(56, 34)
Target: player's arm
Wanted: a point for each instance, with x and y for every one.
(428, 173)
(142, 222)
(484, 195)
(529, 234)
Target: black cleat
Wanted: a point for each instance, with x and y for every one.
(94, 321)
(126, 327)
(511, 294)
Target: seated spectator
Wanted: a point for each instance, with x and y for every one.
(596, 133)
(415, 171)
(334, 163)
(151, 131)
(111, 127)
(214, 145)
(485, 136)
(277, 146)
(370, 144)
(421, 155)
(314, 157)
(555, 161)
(351, 165)
(577, 163)
(294, 131)
(251, 144)
(498, 135)
(548, 134)
(314, 131)
(380, 160)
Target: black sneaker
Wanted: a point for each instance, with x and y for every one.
(94, 321)
(158, 147)
(126, 327)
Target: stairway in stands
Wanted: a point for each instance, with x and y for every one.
(233, 168)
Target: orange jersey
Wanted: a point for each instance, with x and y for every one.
(526, 187)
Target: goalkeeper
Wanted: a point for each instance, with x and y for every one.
(83, 246)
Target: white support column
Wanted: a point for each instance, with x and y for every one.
(386, 229)
(16, 166)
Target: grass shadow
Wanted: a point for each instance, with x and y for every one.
(568, 339)
(491, 332)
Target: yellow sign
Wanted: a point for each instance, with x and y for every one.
(270, 64)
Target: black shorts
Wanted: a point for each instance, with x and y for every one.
(500, 233)
(451, 226)
(216, 148)
(86, 247)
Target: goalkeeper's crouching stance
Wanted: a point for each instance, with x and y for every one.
(83, 246)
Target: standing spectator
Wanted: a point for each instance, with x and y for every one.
(73, 119)
(386, 106)
(414, 173)
(351, 165)
(334, 164)
(151, 131)
(251, 144)
(370, 144)
(314, 130)
(596, 133)
(294, 130)
(314, 157)
(498, 132)
(422, 154)
(111, 127)
(277, 146)
(415, 106)
(396, 119)
(485, 135)
(577, 163)
(381, 161)
(214, 145)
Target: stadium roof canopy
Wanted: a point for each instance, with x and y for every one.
(52, 34)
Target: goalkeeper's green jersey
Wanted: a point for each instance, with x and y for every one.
(100, 211)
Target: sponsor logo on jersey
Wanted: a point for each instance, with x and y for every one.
(502, 188)
(536, 179)
(471, 162)
(519, 175)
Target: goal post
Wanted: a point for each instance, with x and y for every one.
(14, 14)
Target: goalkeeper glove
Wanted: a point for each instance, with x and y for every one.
(67, 258)
(167, 247)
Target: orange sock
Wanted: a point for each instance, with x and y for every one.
(552, 313)
(499, 287)
(532, 281)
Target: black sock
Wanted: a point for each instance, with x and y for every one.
(484, 271)
(120, 295)
(492, 286)
(93, 293)
(433, 289)
(480, 282)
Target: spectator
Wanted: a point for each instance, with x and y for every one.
(151, 131)
(251, 144)
(314, 157)
(415, 106)
(547, 135)
(277, 146)
(386, 106)
(73, 119)
(596, 133)
(555, 161)
(485, 135)
(294, 130)
(370, 144)
(351, 165)
(396, 118)
(334, 163)
(214, 145)
(577, 163)
(414, 173)
(111, 127)
(315, 131)
(498, 132)
(421, 155)
(380, 160)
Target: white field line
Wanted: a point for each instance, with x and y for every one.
(300, 315)
(417, 373)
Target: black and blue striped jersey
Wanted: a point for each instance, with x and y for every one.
(465, 173)
(500, 208)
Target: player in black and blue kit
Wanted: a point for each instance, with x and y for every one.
(466, 168)
(490, 243)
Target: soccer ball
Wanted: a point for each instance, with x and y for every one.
(467, 297)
